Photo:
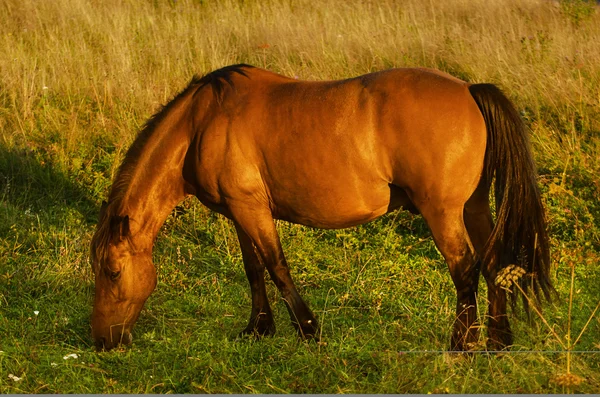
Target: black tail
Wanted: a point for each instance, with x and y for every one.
(519, 236)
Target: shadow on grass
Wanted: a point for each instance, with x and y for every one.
(44, 217)
(28, 184)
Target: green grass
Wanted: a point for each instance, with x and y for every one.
(381, 291)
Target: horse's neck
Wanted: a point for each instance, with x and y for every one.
(156, 184)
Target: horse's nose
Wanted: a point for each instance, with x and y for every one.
(124, 338)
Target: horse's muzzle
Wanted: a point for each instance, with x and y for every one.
(103, 344)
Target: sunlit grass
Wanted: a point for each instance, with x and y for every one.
(79, 78)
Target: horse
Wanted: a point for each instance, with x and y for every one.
(256, 146)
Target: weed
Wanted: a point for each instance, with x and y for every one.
(578, 11)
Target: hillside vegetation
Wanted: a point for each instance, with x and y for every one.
(78, 79)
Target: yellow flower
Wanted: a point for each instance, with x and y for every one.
(567, 380)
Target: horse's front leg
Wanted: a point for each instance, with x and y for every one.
(258, 225)
(261, 318)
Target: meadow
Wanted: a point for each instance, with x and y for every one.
(78, 79)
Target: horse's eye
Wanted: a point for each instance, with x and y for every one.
(114, 275)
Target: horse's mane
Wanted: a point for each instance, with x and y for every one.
(217, 80)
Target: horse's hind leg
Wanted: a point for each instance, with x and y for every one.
(451, 238)
(261, 318)
(259, 226)
(478, 220)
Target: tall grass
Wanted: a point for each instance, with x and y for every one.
(78, 78)
(83, 68)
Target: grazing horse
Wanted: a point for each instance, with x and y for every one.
(257, 146)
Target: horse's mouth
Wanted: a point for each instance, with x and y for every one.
(124, 339)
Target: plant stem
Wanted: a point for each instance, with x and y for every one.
(569, 346)
(586, 324)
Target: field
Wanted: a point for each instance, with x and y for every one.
(78, 79)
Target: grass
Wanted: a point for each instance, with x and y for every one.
(79, 78)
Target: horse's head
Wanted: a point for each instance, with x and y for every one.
(125, 277)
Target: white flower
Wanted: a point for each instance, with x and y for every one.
(14, 378)
(68, 356)
(36, 312)
(53, 364)
(509, 275)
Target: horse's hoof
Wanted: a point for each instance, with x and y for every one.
(496, 346)
(258, 329)
(499, 340)
(308, 330)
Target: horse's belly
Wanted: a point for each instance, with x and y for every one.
(337, 211)
(333, 220)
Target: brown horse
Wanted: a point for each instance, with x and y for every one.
(256, 146)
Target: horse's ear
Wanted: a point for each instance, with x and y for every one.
(125, 227)
(103, 208)
(119, 227)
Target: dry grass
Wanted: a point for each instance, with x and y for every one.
(108, 65)
(142, 51)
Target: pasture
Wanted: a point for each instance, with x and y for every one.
(78, 80)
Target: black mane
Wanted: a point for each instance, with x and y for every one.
(219, 78)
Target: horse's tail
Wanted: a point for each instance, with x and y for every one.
(519, 236)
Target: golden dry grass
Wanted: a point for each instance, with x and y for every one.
(141, 49)
(115, 61)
